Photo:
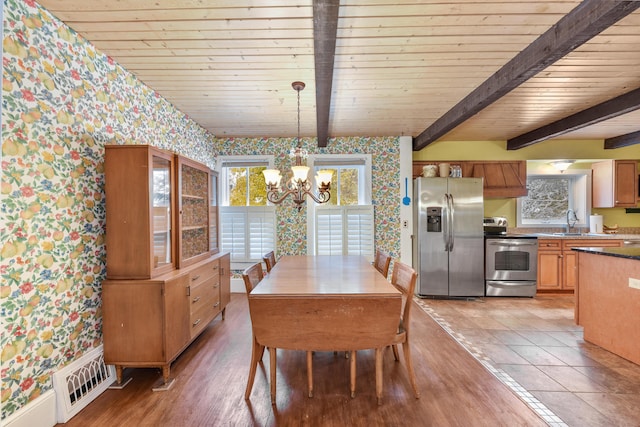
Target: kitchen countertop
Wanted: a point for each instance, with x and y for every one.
(620, 252)
(587, 236)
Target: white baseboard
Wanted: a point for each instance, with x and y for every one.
(237, 286)
(39, 413)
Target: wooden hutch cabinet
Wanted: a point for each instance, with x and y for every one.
(166, 279)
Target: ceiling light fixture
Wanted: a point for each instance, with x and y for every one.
(561, 165)
(299, 185)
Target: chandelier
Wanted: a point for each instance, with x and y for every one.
(299, 186)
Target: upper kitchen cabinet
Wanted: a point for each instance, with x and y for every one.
(197, 212)
(501, 178)
(615, 183)
(140, 196)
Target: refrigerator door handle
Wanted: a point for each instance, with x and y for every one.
(446, 225)
(451, 216)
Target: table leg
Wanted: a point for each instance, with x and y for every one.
(272, 360)
(310, 372)
(352, 373)
(379, 375)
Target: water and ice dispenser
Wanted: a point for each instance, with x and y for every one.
(434, 219)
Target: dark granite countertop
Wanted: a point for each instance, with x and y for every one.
(620, 252)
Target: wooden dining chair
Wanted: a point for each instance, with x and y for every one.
(252, 276)
(269, 260)
(404, 279)
(382, 262)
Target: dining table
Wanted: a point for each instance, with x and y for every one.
(323, 303)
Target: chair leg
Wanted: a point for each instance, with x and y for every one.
(310, 372)
(272, 360)
(379, 375)
(395, 352)
(352, 374)
(257, 349)
(412, 376)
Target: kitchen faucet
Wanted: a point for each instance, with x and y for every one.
(571, 216)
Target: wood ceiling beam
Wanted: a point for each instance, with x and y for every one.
(588, 19)
(622, 140)
(615, 107)
(325, 29)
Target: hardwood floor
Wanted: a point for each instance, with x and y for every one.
(211, 376)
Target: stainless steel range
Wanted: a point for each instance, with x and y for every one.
(511, 261)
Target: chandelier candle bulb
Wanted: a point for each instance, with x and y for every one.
(323, 177)
(300, 173)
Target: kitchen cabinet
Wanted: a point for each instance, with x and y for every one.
(557, 263)
(501, 178)
(166, 279)
(615, 183)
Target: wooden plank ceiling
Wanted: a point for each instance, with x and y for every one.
(398, 67)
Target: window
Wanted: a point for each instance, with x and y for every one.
(248, 224)
(345, 224)
(550, 196)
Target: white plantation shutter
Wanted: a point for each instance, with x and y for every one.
(247, 232)
(360, 230)
(262, 231)
(344, 230)
(329, 231)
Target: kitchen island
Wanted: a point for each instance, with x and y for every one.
(608, 298)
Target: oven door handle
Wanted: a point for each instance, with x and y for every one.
(515, 242)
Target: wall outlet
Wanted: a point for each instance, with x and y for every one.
(634, 283)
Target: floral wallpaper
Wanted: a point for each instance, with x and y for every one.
(292, 226)
(61, 102)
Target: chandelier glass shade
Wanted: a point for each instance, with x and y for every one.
(298, 187)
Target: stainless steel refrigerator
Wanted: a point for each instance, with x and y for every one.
(448, 237)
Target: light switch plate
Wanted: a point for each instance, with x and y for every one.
(634, 283)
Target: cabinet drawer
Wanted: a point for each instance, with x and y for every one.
(203, 295)
(551, 245)
(204, 273)
(568, 244)
(201, 318)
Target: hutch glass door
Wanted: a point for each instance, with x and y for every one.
(161, 199)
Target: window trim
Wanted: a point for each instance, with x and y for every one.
(580, 202)
(223, 161)
(244, 160)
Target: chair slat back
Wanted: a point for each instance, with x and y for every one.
(404, 279)
(252, 276)
(269, 260)
(382, 262)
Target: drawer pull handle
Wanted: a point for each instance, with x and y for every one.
(196, 299)
(216, 304)
(196, 322)
(195, 278)
(215, 286)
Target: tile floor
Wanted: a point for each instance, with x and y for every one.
(534, 346)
